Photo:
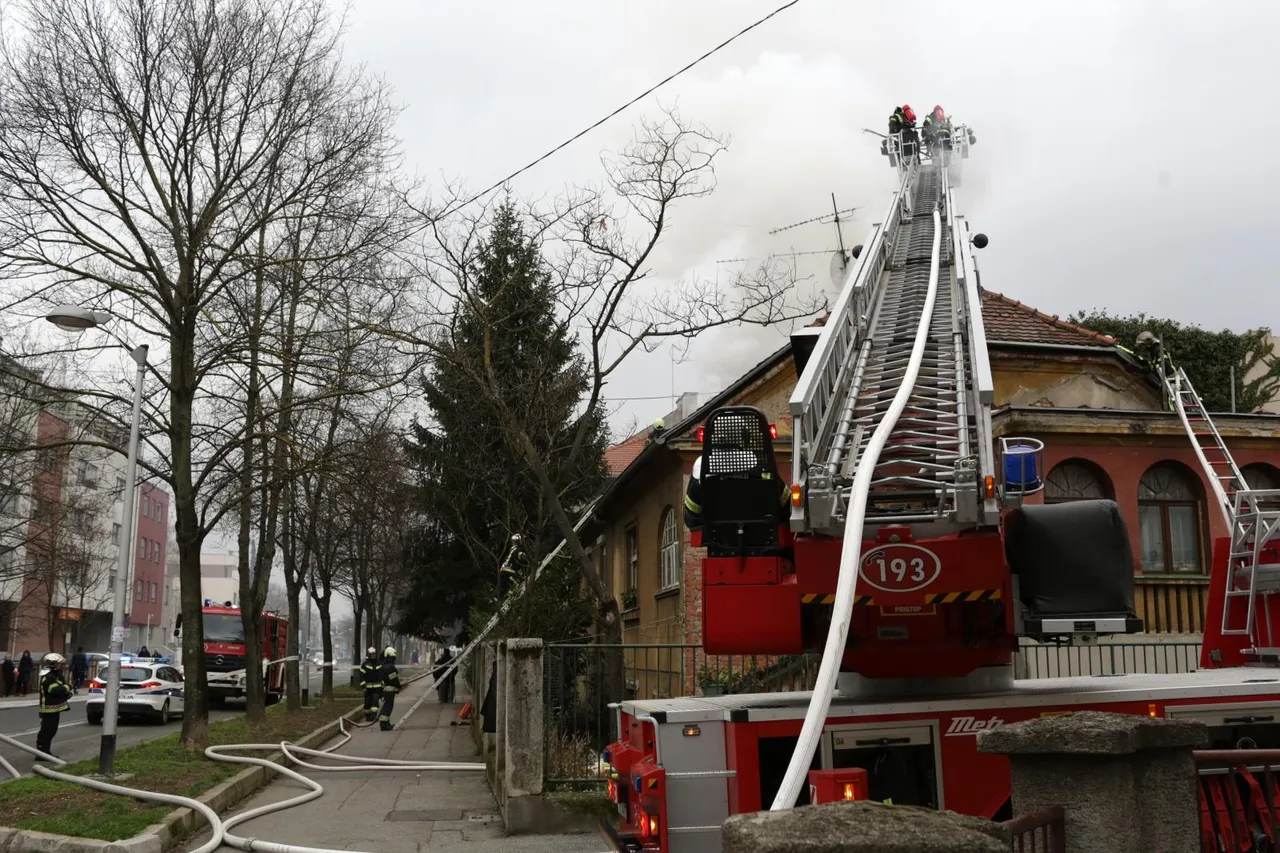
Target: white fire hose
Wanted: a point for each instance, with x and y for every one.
(221, 828)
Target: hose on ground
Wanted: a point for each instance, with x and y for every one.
(220, 827)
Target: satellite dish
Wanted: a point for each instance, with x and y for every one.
(839, 266)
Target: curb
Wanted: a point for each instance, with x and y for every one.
(178, 824)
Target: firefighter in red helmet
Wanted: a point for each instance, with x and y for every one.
(903, 122)
(936, 130)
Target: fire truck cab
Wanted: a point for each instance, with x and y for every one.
(224, 652)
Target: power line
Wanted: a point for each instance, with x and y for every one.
(629, 103)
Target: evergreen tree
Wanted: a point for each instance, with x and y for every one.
(507, 344)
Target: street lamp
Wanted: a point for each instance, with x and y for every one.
(75, 319)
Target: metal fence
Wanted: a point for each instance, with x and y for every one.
(580, 680)
(1042, 831)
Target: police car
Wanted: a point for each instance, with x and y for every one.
(149, 688)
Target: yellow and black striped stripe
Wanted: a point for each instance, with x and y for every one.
(814, 598)
(936, 598)
(964, 595)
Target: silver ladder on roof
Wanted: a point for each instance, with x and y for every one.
(932, 471)
(1252, 516)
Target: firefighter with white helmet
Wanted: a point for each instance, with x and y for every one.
(390, 687)
(54, 694)
(371, 680)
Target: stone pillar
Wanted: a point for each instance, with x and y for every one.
(1126, 782)
(862, 827)
(522, 735)
(500, 733)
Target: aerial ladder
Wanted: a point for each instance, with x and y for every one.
(1245, 592)
(911, 552)
(898, 547)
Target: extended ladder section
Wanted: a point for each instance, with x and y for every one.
(1252, 517)
(937, 471)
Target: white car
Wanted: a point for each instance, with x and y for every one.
(147, 689)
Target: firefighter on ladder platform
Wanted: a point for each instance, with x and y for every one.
(371, 680)
(731, 457)
(390, 687)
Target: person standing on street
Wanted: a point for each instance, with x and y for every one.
(371, 681)
(390, 687)
(10, 676)
(444, 684)
(79, 669)
(54, 694)
(25, 665)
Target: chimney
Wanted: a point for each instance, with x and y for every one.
(687, 405)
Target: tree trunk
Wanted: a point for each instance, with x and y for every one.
(293, 689)
(190, 539)
(326, 635)
(357, 620)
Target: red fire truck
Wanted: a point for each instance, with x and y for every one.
(224, 652)
(914, 555)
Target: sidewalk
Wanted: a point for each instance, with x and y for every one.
(399, 811)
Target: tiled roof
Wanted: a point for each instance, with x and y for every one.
(618, 457)
(1010, 321)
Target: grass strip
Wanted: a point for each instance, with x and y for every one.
(45, 805)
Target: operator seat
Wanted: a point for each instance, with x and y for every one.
(742, 494)
(1074, 567)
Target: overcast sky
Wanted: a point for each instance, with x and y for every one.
(1127, 151)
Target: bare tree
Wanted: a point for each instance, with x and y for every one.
(602, 245)
(144, 145)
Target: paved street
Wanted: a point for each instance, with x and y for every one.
(78, 740)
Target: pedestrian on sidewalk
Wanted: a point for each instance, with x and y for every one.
(25, 665)
(371, 681)
(10, 677)
(390, 687)
(444, 684)
(79, 669)
(54, 694)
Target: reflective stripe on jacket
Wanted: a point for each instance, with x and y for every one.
(370, 674)
(54, 694)
(390, 678)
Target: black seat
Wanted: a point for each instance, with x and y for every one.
(1075, 568)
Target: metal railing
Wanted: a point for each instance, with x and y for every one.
(1239, 800)
(577, 687)
(1041, 831)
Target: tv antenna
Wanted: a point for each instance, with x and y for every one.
(840, 258)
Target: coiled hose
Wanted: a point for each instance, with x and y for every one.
(221, 827)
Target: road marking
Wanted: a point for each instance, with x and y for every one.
(37, 730)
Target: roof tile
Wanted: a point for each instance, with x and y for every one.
(1011, 321)
(622, 454)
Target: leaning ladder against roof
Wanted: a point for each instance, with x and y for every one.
(1251, 515)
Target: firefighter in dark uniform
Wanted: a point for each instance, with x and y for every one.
(936, 130)
(510, 570)
(747, 460)
(390, 687)
(903, 121)
(54, 693)
(371, 681)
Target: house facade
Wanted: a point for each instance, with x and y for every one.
(1106, 432)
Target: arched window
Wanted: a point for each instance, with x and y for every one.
(1263, 477)
(1076, 480)
(670, 550)
(1169, 520)
(1260, 476)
